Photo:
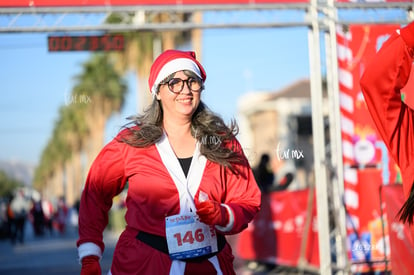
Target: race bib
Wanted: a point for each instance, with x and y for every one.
(187, 237)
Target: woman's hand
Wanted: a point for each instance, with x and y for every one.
(91, 266)
(212, 213)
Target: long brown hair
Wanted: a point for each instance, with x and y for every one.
(217, 140)
(406, 213)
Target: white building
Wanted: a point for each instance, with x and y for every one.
(280, 124)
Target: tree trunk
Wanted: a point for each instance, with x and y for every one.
(168, 40)
(144, 95)
(70, 183)
(57, 182)
(95, 142)
(196, 36)
(78, 174)
(84, 160)
(97, 121)
(47, 189)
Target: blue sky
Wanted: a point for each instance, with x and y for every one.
(36, 83)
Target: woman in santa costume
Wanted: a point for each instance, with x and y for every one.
(381, 85)
(189, 183)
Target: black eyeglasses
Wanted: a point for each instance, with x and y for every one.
(176, 85)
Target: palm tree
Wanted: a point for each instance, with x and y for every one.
(49, 174)
(98, 93)
(75, 130)
(8, 184)
(101, 90)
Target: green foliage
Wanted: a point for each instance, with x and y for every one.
(8, 184)
(100, 82)
(99, 91)
(117, 18)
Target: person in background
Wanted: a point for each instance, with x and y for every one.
(19, 208)
(267, 179)
(61, 214)
(37, 217)
(189, 182)
(284, 182)
(263, 174)
(10, 217)
(381, 83)
(48, 212)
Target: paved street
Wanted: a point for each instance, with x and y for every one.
(57, 255)
(46, 255)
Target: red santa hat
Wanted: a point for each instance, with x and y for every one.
(171, 61)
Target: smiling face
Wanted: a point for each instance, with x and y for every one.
(181, 104)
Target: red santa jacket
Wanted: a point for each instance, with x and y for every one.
(153, 195)
(381, 84)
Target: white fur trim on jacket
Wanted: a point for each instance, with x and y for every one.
(229, 226)
(87, 249)
(175, 65)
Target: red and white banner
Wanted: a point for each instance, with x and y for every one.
(376, 241)
(367, 163)
(276, 233)
(73, 3)
(368, 244)
(360, 142)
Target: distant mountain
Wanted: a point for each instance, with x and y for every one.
(18, 170)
